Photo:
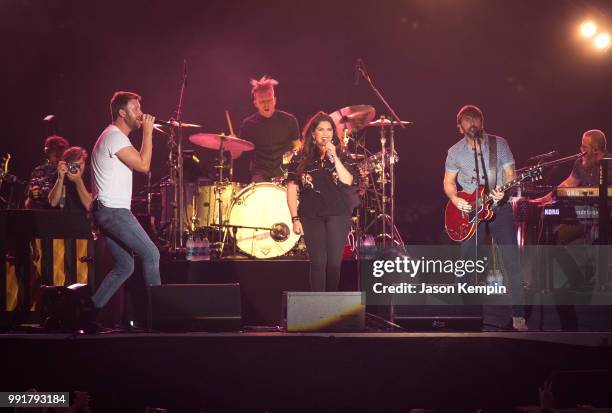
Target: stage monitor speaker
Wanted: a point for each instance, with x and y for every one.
(195, 307)
(438, 317)
(67, 309)
(323, 311)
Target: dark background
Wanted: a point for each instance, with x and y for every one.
(520, 61)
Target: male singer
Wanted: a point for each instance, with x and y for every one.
(113, 160)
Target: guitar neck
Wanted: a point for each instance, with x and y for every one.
(507, 185)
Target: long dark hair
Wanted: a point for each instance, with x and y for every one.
(310, 151)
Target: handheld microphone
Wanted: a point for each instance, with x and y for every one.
(330, 156)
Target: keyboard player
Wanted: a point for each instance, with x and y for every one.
(585, 173)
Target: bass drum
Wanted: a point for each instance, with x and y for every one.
(263, 204)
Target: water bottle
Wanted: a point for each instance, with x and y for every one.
(197, 249)
(189, 248)
(495, 278)
(205, 249)
(490, 279)
(499, 278)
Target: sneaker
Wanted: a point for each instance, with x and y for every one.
(519, 324)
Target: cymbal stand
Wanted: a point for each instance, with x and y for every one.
(173, 178)
(218, 192)
(175, 161)
(383, 184)
(364, 73)
(391, 156)
(218, 188)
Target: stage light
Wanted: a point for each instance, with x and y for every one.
(602, 41)
(588, 29)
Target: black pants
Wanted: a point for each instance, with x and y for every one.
(503, 231)
(325, 238)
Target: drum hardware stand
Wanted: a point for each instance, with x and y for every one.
(219, 188)
(149, 198)
(221, 166)
(390, 233)
(231, 131)
(175, 161)
(362, 71)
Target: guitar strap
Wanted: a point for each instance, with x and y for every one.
(492, 172)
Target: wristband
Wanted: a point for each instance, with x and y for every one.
(295, 218)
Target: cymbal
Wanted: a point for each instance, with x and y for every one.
(387, 122)
(213, 141)
(354, 118)
(357, 156)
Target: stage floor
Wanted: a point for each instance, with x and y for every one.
(281, 372)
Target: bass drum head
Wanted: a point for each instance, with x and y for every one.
(262, 204)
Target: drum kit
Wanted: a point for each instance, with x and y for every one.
(255, 219)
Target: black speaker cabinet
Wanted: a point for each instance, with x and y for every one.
(195, 307)
(438, 317)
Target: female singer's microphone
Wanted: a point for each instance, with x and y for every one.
(330, 156)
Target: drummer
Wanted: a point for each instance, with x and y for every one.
(273, 132)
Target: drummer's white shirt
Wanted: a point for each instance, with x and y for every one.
(112, 179)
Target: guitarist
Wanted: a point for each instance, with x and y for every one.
(460, 169)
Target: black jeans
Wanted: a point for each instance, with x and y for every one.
(503, 231)
(325, 238)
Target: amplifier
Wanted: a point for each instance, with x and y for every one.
(195, 307)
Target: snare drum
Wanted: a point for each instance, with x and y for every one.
(263, 204)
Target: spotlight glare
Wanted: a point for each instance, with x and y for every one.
(602, 41)
(588, 29)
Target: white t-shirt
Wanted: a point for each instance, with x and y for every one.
(112, 179)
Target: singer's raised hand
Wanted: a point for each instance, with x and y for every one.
(330, 149)
(147, 124)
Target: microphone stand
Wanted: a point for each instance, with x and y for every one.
(555, 162)
(363, 72)
(477, 146)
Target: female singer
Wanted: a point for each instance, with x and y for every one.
(321, 176)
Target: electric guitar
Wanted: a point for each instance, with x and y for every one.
(460, 225)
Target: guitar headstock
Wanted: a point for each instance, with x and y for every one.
(534, 173)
